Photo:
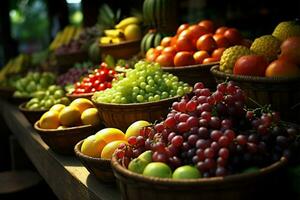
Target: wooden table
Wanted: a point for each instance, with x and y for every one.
(67, 177)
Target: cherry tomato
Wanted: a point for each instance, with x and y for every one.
(221, 30)
(104, 65)
(184, 44)
(101, 87)
(93, 89)
(96, 83)
(169, 50)
(207, 43)
(92, 77)
(86, 80)
(199, 56)
(221, 40)
(195, 31)
(77, 85)
(217, 53)
(108, 85)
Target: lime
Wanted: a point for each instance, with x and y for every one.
(158, 169)
(186, 172)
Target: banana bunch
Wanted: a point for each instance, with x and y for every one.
(65, 36)
(15, 66)
(127, 29)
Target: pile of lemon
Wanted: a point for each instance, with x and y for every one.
(81, 111)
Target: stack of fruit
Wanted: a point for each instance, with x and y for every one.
(195, 44)
(44, 99)
(275, 55)
(145, 83)
(32, 82)
(106, 141)
(80, 112)
(209, 134)
(99, 80)
(127, 29)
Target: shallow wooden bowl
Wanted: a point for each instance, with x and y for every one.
(122, 115)
(282, 93)
(194, 73)
(124, 50)
(72, 97)
(31, 115)
(100, 168)
(62, 141)
(247, 186)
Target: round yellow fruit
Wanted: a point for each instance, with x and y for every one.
(58, 107)
(69, 116)
(110, 134)
(133, 32)
(92, 146)
(90, 116)
(134, 129)
(49, 120)
(82, 104)
(110, 148)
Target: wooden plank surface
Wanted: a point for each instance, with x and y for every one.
(67, 177)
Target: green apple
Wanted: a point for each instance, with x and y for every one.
(59, 94)
(65, 101)
(31, 87)
(43, 83)
(34, 106)
(36, 76)
(147, 156)
(52, 89)
(43, 101)
(137, 165)
(186, 172)
(39, 94)
(158, 169)
(49, 103)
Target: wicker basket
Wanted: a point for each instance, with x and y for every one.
(72, 97)
(282, 93)
(245, 186)
(194, 73)
(124, 50)
(122, 115)
(62, 141)
(31, 115)
(100, 168)
(6, 92)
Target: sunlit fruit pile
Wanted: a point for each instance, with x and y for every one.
(145, 83)
(275, 55)
(80, 112)
(209, 134)
(45, 99)
(195, 44)
(99, 80)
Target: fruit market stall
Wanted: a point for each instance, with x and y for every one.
(67, 177)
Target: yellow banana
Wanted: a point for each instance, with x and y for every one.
(114, 33)
(105, 40)
(129, 20)
(117, 40)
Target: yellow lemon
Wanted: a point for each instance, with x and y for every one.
(92, 146)
(90, 116)
(134, 128)
(49, 120)
(58, 107)
(132, 32)
(82, 104)
(110, 148)
(69, 116)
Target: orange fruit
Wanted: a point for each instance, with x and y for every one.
(58, 107)
(109, 149)
(81, 104)
(69, 116)
(49, 120)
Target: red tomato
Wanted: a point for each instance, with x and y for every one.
(169, 50)
(182, 27)
(199, 56)
(165, 60)
(184, 34)
(252, 65)
(290, 50)
(159, 49)
(173, 41)
(233, 35)
(207, 43)
(86, 80)
(217, 53)
(195, 31)
(111, 72)
(184, 58)
(209, 60)
(221, 40)
(101, 87)
(104, 65)
(96, 83)
(184, 44)
(282, 68)
(208, 24)
(87, 87)
(108, 85)
(166, 41)
(92, 77)
(93, 89)
(221, 30)
(77, 85)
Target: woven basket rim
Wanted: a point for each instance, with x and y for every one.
(119, 44)
(61, 131)
(80, 95)
(79, 154)
(24, 109)
(217, 73)
(174, 68)
(201, 181)
(128, 105)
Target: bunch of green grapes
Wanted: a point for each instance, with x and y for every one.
(145, 83)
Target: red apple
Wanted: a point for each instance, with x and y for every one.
(282, 68)
(252, 65)
(290, 50)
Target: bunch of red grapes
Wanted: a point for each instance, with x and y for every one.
(99, 80)
(214, 132)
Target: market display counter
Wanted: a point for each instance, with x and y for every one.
(67, 177)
